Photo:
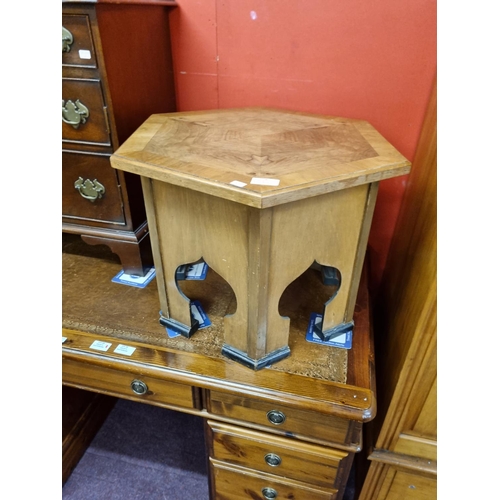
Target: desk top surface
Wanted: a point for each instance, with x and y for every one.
(259, 157)
(95, 308)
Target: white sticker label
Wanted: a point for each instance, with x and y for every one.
(99, 345)
(195, 271)
(265, 182)
(64, 339)
(84, 54)
(125, 349)
(238, 184)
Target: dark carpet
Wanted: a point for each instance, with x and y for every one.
(145, 452)
(142, 452)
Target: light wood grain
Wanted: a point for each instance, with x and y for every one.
(396, 481)
(309, 154)
(300, 461)
(259, 253)
(411, 292)
(239, 483)
(298, 422)
(407, 340)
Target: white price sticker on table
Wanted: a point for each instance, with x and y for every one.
(99, 345)
(125, 349)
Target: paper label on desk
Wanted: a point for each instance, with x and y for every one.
(133, 280)
(84, 54)
(124, 349)
(262, 181)
(343, 341)
(199, 314)
(64, 339)
(238, 184)
(99, 345)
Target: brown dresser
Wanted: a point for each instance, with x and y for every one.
(116, 71)
(404, 443)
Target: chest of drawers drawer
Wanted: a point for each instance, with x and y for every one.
(84, 113)
(237, 483)
(77, 44)
(270, 454)
(288, 421)
(119, 383)
(90, 189)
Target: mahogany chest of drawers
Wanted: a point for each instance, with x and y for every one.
(116, 71)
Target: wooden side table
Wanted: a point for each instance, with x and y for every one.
(260, 195)
(305, 412)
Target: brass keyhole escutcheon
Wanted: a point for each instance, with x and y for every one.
(276, 417)
(139, 387)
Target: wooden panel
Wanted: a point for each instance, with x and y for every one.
(426, 423)
(300, 423)
(399, 480)
(108, 209)
(408, 305)
(300, 461)
(416, 446)
(117, 383)
(409, 486)
(82, 415)
(238, 483)
(418, 428)
(136, 48)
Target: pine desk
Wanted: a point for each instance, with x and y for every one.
(289, 430)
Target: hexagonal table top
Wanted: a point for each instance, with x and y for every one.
(257, 156)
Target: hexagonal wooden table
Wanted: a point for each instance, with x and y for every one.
(260, 195)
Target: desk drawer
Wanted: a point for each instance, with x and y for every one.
(284, 420)
(238, 483)
(285, 457)
(84, 107)
(103, 189)
(77, 43)
(121, 384)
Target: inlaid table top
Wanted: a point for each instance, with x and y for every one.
(257, 156)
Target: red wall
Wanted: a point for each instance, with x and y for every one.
(366, 59)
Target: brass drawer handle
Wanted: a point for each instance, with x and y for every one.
(269, 493)
(272, 459)
(67, 40)
(74, 113)
(276, 417)
(139, 387)
(90, 190)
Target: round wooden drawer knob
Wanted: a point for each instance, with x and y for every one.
(139, 387)
(276, 417)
